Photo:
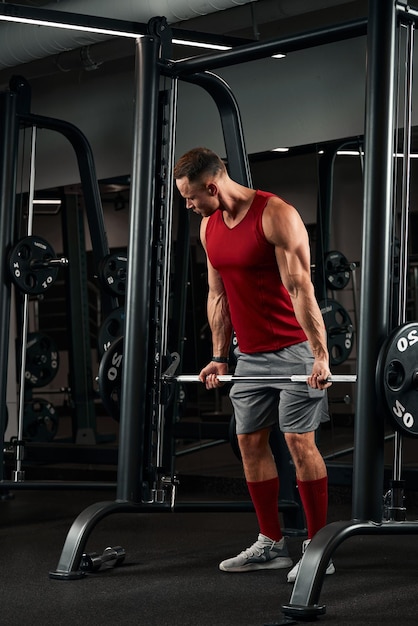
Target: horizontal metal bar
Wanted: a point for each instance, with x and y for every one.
(260, 50)
(230, 378)
(406, 10)
(55, 485)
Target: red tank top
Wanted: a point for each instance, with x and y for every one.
(261, 310)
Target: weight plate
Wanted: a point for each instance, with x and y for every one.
(27, 265)
(42, 360)
(339, 331)
(40, 421)
(110, 378)
(112, 274)
(112, 328)
(337, 270)
(397, 378)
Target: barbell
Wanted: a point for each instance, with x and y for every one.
(230, 378)
(396, 378)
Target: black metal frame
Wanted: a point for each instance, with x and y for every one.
(15, 110)
(374, 324)
(9, 130)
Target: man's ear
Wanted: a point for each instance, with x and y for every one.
(212, 189)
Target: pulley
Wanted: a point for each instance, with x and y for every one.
(33, 265)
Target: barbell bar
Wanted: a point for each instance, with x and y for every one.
(230, 378)
(396, 378)
(39, 264)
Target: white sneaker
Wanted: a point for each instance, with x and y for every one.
(263, 554)
(291, 577)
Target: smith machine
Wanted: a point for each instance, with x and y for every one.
(146, 372)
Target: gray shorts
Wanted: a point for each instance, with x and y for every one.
(295, 406)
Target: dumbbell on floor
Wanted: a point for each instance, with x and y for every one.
(112, 557)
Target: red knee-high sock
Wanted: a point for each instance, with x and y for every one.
(314, 496)
(265, 498)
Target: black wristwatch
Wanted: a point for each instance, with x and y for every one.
(220, 359)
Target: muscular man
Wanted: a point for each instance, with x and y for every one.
(258, 261)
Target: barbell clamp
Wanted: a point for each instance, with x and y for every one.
(61, 262)
(168, 375)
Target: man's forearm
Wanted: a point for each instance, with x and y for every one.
(309, 317)
(220, 324)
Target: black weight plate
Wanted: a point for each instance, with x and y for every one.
(396, 378)
(336, 269)
(23, 259)
(112, 274)
(110, 378)
(42, 360)
(112, 328)
(40, 421)
(339, 331)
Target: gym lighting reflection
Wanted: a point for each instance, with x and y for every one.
(358, 153)
(85, 29)
(46, 202)
(354, 153)
(113, 32)
(200, 44)
(105, 31)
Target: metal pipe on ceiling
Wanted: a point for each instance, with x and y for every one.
(23, 43)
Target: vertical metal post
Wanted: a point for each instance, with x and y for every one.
(397, 510)
(8, 158)
(136, 359)
(19, 474)
(377, 227)
(81, 370)
(323, 218)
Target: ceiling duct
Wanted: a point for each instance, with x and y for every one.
(23, 43)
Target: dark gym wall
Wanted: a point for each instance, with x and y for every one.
(312, 95)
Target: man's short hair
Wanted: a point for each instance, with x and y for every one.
(198, 162)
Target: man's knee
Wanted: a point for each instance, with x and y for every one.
(301, 446)
(252, 444)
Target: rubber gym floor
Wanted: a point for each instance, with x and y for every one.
(170, 575)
